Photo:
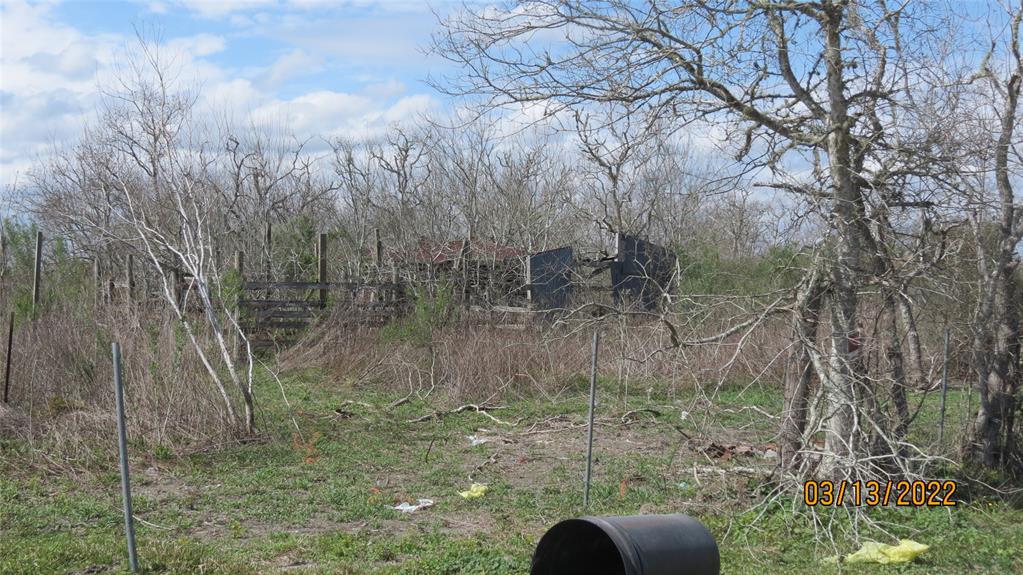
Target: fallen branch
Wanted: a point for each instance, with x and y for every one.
(492, 460)
(569, 427)
(359, 403)
(400, 402)
(549, 420)
(153, 525)
(342, 413)
(426, 459)
(480, 409)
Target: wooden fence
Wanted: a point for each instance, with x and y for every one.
(273, 313)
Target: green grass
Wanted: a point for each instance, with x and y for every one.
(323, 505)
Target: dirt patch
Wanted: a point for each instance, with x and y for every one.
(160, 484)
(520, 457)
(221, 526)
(466, 523)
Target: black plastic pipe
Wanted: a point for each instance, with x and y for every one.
(631, 545)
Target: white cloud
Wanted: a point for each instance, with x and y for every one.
(239, 11)
(386, 89)
(51, 74)
(47, 82)
(517, 118)
(222, 8)
(294, 64)
(198, 45)
(329, 113)
(409, 108)
(236, 95)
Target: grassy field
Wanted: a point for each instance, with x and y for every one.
(322, 502)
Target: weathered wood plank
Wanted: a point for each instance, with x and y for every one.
(317, 285)
(263, 342)
(265, 314)
(268, 324)
(265, 285)
(278, 303)
(322, 267)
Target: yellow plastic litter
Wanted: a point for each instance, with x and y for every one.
(874, 552)
(476, 491)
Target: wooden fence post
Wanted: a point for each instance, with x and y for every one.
(7, 367)
(239, 264)
(378, 248)
(378, 260)
(36, 276)
(462, 265)
(529, 280)
(268, 248)
(96, 282)
(322, 256)
(129, 278)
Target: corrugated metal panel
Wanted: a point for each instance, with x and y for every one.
(642, 272)
(551, 278)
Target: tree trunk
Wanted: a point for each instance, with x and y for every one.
(840, 385)
(997, 358)
(917, 379)
(897, 374)
(996, 340)
(798, 376)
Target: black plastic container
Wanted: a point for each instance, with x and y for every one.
(632, 545)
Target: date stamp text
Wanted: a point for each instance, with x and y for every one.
(880, 493)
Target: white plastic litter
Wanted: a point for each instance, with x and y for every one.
(474, 441)
(410, 508)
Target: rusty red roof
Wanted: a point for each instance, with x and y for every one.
(435, 252)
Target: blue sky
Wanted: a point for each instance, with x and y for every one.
(322, 67)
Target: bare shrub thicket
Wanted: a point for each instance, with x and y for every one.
(464, 360)
(866, 119)
(61, 391)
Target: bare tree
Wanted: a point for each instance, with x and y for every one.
(994, 164)
(731, 64)
(145, 174)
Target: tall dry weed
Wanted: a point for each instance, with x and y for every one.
(61, 384)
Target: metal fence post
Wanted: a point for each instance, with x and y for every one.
(589, 425)
(122, 440)
(944, 393)
(7, 365)
(37, 275)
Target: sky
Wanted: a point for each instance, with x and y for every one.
(321, 67)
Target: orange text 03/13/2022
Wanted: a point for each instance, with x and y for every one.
(904, 493)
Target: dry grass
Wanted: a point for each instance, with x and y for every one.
(472, 361)
(62, 398)
(61, 390)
